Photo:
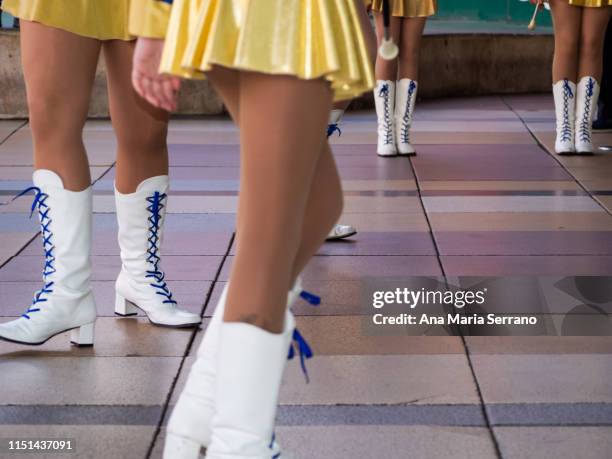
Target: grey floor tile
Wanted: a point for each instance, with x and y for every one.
(555, 442)
(90, 441)
(544, 378)
(48, 380)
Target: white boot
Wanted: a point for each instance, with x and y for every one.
(340, 231)
(251, 363)
(333, 124)
(565, 109)
(384, 98)
(141, 284)
(190, 425)
(586, 105)
(65, 302)
(405, 98)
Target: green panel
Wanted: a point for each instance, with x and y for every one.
(490, 10)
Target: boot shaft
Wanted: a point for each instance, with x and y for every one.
(384, 97)
(66, 225)
(141, 216)
(405, 99)
(564, 92)
(586, 105)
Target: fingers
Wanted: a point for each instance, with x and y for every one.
(158, 91)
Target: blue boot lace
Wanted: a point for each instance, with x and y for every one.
(298, 341)
(40, 203)
(384, 93)
(333, 127)
(405, 134)
(566, 127)
(156, 202)
(585, 122)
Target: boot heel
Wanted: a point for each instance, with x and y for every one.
(83, 336)
(123, 307)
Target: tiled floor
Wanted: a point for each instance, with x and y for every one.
(483, 197)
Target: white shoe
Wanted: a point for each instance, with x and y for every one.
(141, 283)
(65, 302)
(251, 363)
(333, 124)
(384, 98)
(405, 98)
(586, 105)
(341, 232)
(565, 108)
(190, 425)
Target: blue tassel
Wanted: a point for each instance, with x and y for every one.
(333, 127)
(311, 298)
(303, 349)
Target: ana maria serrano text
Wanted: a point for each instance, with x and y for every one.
(456, 298)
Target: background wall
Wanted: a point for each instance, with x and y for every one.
(491, 10)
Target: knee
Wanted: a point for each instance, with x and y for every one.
(566, 44)
(591, 47)
(50, 121)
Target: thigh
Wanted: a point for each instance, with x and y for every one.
(411, 33)
(567, 21)
(282, 128)
(127, 109)
(59, 69)
(594, 24)
(227, 84)
(394, 27)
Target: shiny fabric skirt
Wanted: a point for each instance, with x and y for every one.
(591, 3)
(99, 19)
(409, 8)
(308, 39)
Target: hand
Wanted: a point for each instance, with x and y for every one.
(540, 3)
(159, 90)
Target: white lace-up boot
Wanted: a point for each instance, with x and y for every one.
(586, 105)
(384, 98)
(190, 425)
(564, 92)
(405, 98)
(65, 302)
(250, 368)
(141, 283)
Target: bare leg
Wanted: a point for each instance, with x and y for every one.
(59, 69)
(141, 129)
(412, 31)
(387, 70)
(325, 200)
(567, 23)
(593, 31)
(277, 175)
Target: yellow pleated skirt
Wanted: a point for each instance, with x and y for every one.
(591, 3)
(99, 19)
(308, 39)
(409, 8)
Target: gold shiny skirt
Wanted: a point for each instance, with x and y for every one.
(306, 38)
(409, 8)
(99, 19)
(591, 3)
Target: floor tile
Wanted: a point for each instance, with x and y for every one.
(99, 441)
(555, 442)
(114, 337)
(544, 378)
(545, 265)
(85, 380)
(524, 242)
